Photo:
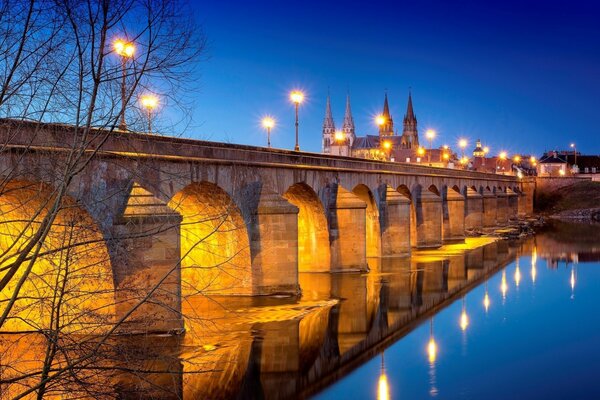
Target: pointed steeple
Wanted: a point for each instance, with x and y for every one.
(348, 120)
(410, 114)
(328, 123)
(410, 134)
(386, 107)
(387, 128)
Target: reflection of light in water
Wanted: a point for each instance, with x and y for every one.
(503, 284)
(464, 318)
(432, 353)
(517, 274)
(383, 389)
(431, 346)
(432, 350)
(572, 281)
(486, 301)
(533, 263)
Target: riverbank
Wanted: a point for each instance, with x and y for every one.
(578, 202)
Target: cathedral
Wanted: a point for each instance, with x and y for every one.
(386, 145)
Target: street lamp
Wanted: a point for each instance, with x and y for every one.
(430, 135)
(125, 50)
(486, 150)
(462, 143)
(268, 123)
(149, 102)
(420, 151)
(380, 120)
(339, 137)
(296, 97)
(574, 152)
(502, 156)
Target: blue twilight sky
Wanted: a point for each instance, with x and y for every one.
(521, 75)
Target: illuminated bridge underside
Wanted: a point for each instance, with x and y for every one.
(238, 220)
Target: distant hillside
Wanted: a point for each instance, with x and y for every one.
(578, 196)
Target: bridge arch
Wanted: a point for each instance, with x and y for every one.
(73, 254)
(313, 234)
(373, 230)
(215, 249)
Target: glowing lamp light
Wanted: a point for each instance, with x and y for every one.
(430, 134)
(486, 150)
(268, 122)
(446, 156)
(149, 101)
(124, 49)
(464, 320)
(503, 284)
(432, 350)
(533, 263)
(503, 155)
(532, 160)
(486, 302)
(517, 159)
(296, 97)
(464, 160)
(562, 172)
(572, 145)
(462, 143)
(383, 388)
(387, 145)
(446, 147)
(380, 120)
(421, 151)
(339, 136)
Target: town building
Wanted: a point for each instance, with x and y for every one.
(387, 144)
(561, 163)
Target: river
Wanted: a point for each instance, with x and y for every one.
(485, 319)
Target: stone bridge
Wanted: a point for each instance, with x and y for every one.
(225, 219)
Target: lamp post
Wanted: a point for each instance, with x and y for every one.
(296, 97)
(574, 152)
(502, 156)
(430, 135)
(339, 138)
(462, 143)
(125, 50)
(149, 102)
(486, 150)
(268, 123)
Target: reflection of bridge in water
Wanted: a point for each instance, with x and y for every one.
(266, 347)
(277, 348)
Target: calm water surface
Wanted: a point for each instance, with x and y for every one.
(498, 320)
(538, 337)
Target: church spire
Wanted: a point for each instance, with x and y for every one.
(348, 126)
(386, 107)
(410, 114)
(328, 123)
(410, 134)
(387, 128)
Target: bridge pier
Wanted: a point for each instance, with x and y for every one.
(502, 210)
(274, 246)
(513, 204)
(394, 220)
(490, 208)
(428, 213)
(148, 252)
(453, 207)
(346, 217)
(473, 209)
